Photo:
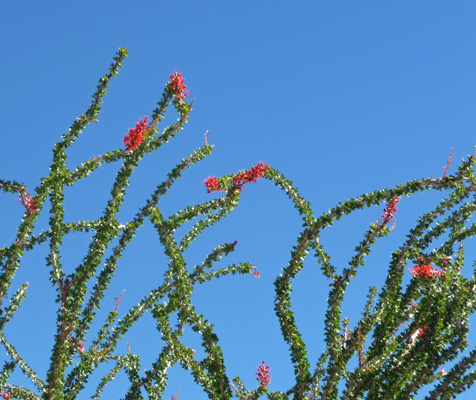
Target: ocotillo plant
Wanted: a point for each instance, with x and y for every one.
(405, 336)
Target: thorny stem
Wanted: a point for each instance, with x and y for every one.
(75, 319)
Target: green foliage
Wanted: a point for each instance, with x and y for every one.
(399, 348)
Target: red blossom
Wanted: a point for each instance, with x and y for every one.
(5, 395)
(212, 184)
(425, 270)
(388, 212)
(80, 345)
(263, 376)
(136, 135)
(422, 331)
(28, 202)
(250, 175)
(177, 85)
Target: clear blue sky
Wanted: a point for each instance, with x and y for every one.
(343, 97)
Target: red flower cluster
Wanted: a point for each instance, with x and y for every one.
(263, 376)
(422, 331)
(212, 184)
(80, 345)
(251, 175)
(5, 395)
(28, 202)
(136, 135)
(177, 85)
(425, 271)
(240, 179)
(390, 210)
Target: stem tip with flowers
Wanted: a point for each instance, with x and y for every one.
(136, 135)
(177, 85)
(262, 375)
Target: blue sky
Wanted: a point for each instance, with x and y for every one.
(342, 97)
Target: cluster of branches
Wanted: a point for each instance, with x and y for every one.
(399, 345)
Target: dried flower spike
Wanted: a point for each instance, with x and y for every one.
(255, 272)
(448, 163)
